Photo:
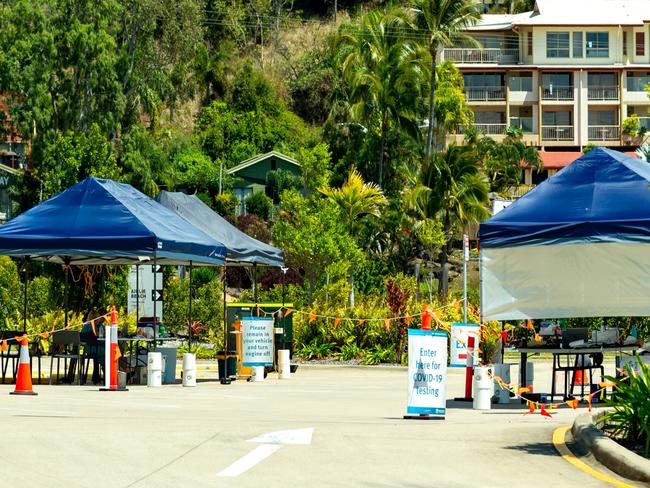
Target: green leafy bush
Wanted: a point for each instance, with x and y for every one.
(350, 351)
(316, 350)
(259, 204)
(629, 419)
(11, 294)
(226, 204)
(379, 354)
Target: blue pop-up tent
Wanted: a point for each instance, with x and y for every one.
(242, 249)
(577, 245)
(100, 221)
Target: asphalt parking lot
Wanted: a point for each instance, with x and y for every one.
(346, 430)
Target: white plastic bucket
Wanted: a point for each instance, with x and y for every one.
(503, 372)
(284, 364)
(154, 369)
(189, 369)
(483, 388)
(258, 373)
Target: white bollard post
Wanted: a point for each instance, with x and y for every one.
(189, 369)
(258, 373)
(503, 372)
(284, 364)
(154, 369)
(483, 383)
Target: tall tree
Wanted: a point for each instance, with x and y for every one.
(444, 22)
(356, 199)
(382, 69)
(313, 235)
(450, 188)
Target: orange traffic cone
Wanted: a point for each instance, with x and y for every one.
(579, 378)
(24, 378)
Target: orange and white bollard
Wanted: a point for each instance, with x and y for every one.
(24, 377)
(111, 355)
(427, 317)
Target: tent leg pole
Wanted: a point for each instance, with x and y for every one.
(66, 268)
(26, 276)
(137, 294)
(189, 312)
(224, 379)
(255, 282)
(155, 288)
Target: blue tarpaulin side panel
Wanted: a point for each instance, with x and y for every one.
(601, 197)
(242, 248)
(101, 221)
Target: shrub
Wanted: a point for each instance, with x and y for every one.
(631, 125)
(11, 294)
(629, 419)
(259, 204)
(226, 205)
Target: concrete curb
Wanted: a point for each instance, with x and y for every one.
(608, 452)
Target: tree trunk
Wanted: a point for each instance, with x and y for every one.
(443, 282)
(432, 95)
(335, 9)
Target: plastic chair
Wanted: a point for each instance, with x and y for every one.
(11, 354)
(90, 352)
(66, 345)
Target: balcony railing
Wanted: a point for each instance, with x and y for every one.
(518, 190)
(604, 132)
(487, 129)
(557, 133)
(485, 94)
(481, 56)
(602, 93)
(557, 93)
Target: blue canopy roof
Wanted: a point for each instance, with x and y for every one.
(601, 197)
(242, 249)
(100, 221)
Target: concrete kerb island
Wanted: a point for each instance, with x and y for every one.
(611, 454)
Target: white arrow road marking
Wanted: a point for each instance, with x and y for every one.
(297, 436)
(245, 463)
(270, 443)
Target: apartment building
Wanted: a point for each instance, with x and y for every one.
(569, 74)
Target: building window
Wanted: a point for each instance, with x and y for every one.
(640, 44)
(624, 43)
(559, 118)
(597, 44)
(557, 44)
(637, 80)
(530, 43)
(521, 81)
(577, 44)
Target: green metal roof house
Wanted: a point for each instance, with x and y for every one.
(251, 176)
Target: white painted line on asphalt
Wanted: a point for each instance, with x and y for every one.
(242, 465)
(294, 436)
(269, 443)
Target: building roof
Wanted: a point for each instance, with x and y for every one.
(560, 159)
(259, 158)
(572, 13)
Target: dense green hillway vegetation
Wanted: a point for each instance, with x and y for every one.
(168, 94)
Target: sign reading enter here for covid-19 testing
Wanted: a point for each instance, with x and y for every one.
(427, 372)
(257, 341)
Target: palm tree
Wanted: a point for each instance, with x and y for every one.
(444, 22)
(451, 188)
(356, 199)
(382, 69)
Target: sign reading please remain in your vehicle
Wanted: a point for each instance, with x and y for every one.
(257, 341)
